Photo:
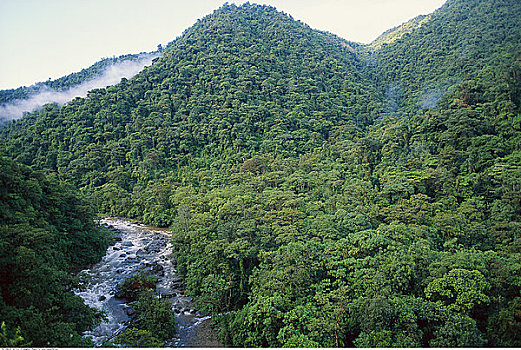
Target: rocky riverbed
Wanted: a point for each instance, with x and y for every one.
(139, 247)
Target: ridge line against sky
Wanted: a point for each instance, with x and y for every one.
(42, 39)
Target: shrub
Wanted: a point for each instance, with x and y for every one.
(138, 338)
(136, 285)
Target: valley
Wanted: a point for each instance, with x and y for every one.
(318, 192)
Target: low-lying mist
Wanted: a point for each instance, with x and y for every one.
(110, 76)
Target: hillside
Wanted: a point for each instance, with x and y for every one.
(396, 33)
(266, 84)
(448, 46)
(320, 192)
(46, 233)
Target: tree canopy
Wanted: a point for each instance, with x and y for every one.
(47, 232)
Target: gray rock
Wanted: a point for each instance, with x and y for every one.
(131, 260)
(155, 247)
(168, 294)
(157, 268)
(177, 279)
(129, 311)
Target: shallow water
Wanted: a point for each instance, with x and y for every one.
(140, 247)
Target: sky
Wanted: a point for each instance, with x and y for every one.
(42, 39)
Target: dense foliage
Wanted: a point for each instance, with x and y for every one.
(134, 286)
(417, 66)
(320, 192)
(202, 105)
(46, 232)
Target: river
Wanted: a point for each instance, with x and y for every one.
(139, 247)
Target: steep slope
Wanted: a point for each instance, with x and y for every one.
(396, 33)
(47, 232)
(305, 210)
(452, 44)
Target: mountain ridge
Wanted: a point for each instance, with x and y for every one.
(377, 50)
(15, 102)
(66, 81)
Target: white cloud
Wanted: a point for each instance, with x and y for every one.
(110, 76)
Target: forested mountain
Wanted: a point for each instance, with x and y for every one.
(243, 85)
(319, 192)
(451, 45)
(15, 103)
(66, 82)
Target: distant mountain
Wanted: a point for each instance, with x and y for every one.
(109, 71)
(319, 192)
(70, 80)
(428, 55)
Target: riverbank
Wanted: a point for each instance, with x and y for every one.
(139, 247)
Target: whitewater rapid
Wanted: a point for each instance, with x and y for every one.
(137, 248)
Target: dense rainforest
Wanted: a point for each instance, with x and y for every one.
(320, 193)
(46, 232)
